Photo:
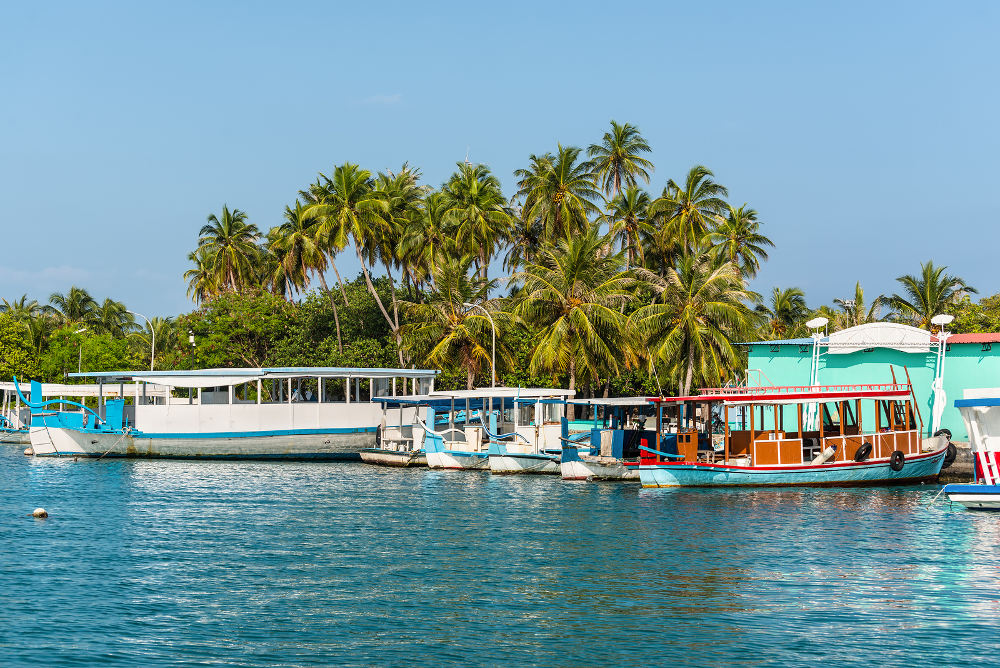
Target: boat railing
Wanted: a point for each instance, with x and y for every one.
(771, 390)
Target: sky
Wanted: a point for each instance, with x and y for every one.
(865, 134)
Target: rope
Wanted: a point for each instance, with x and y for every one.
(125, 432)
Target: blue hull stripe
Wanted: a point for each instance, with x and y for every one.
(239, 434)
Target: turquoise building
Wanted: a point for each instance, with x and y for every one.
(869, 354)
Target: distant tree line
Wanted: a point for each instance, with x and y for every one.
(608, 287)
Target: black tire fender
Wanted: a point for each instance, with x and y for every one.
(944, 432)
(949, 456)
(896, 460)
(864, 452)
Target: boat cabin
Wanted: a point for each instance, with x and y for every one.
(770, 426)
(257, 399)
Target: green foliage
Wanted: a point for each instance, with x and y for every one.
(234, 330)
(68, 351)
(982, 317)
(17, 355)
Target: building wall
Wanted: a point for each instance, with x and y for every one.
(967, 365)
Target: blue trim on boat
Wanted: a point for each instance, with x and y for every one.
(970, 488)
(239, 434)
(970, 403)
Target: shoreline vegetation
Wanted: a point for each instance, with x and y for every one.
(612, 286)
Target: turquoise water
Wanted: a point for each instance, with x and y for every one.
(187, 563)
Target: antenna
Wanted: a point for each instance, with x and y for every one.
(467, 155)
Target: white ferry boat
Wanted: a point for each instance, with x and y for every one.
(261, 413)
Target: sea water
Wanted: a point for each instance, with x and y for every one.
(249, 563)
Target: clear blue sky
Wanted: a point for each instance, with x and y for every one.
(864, 133)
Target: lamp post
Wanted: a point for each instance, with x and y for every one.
(152, 339)
(493, 360)
(79, 357)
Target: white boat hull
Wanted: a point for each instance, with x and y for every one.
(63, 442)
(582, 469)
(974, 496)
(400, 458)
(456, 460)
(524, 463)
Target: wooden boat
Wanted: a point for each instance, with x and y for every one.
(829, 435)
(981, 415)
(610, 449)
(261, 413)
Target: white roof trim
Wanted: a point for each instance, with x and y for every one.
(892, 335)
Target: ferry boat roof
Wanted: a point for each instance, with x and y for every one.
(221, 377)
(612, 401)
(794, 394)
(444, 398)
(505, 393)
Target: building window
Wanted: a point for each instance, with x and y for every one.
(987, 347)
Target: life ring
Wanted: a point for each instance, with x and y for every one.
(863, 452)
(896, 460)
(949, 456)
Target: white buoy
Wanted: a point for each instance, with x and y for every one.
(29, 452)
(40, 512)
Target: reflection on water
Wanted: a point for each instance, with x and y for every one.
(166, 562)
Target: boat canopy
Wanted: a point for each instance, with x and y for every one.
(613, 401)
(799, 394)
(223, 377)
(506, 393)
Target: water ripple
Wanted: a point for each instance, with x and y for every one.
(252, 564)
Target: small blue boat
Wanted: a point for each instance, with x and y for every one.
(610, 450)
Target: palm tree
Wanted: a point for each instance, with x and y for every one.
(428, 238)
(572, 294)
(524, 242)
(161, 330)
(350, 207)
(618, 158)
(231, 242)
(688, 212)
(202, 285)
(559, 191)
(21, 309)
(738, 240)
(298, 244)
(75, 306)
(447, 333)
(699, 312)
(853, 312)
(475, 205)
(627, 223)
(929, 294)
(112, 318)
(785, 313)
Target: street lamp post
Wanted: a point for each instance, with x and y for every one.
(79, 348)
(152, 339)
(493, 360)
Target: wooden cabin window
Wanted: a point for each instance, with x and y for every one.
(849, 422)
(831, 420)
